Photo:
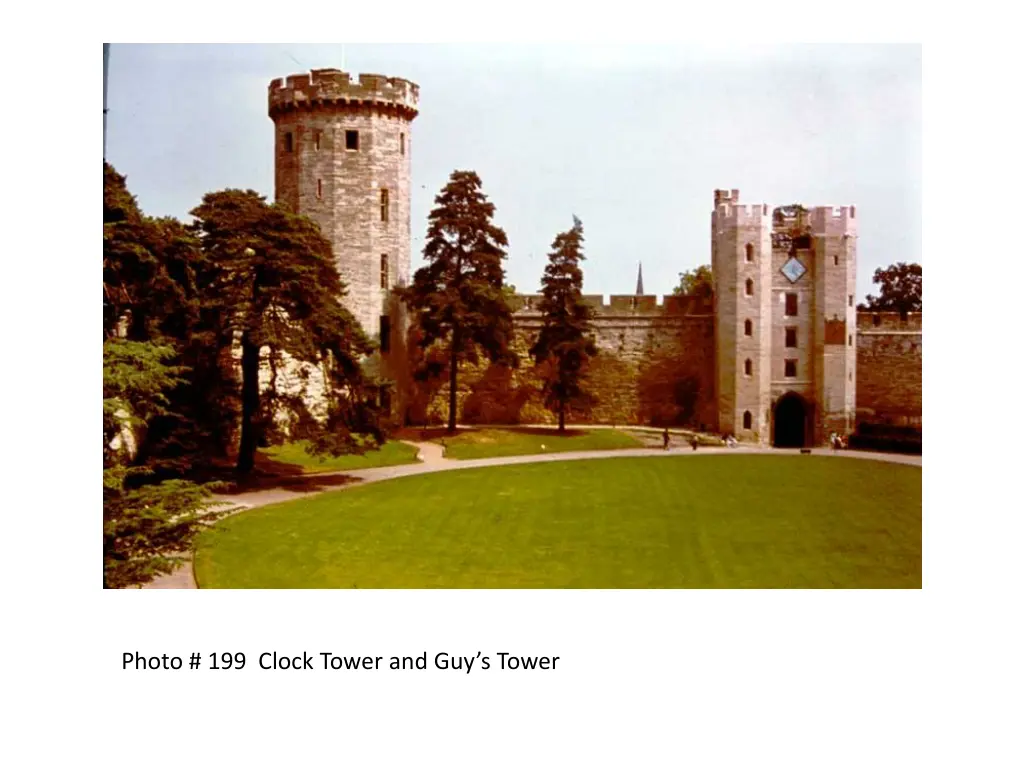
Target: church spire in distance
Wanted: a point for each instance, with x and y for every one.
(640, 279)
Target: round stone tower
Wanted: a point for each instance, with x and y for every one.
(342, 150)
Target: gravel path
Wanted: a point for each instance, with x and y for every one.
(432, 460)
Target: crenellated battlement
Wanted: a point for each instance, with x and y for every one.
(741, 215)
(334, 88)
(882, 322)
(731, 196)
(830, 219)
(628, 305)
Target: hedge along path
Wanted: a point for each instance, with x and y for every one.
(431, 460)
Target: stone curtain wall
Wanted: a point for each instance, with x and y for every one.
(655, 366)
(889, 354)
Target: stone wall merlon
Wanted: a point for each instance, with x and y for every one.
(830, 218)
(742, 214)
(888, 321)
(332, 85)
(629, 304)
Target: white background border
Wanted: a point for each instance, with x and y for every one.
(646, 678)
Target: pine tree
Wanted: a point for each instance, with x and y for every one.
(566, 342)
(457, 298)
(147, 526)
(272, 281)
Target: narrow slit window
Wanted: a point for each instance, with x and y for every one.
(791, 305)
(749, 252)
(320, 188)
(748, 328)
(791, 369)
(791, 337)
(385, 333)
(352, 140)
(849, 340)
(288, 146)
(384, 205)
(401, 141)
(750, 287)
(316, 141)
(748, 367)
(849, 300)
(747, 419)
(835, 260)
(383, 270)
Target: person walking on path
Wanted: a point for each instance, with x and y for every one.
(664, 439)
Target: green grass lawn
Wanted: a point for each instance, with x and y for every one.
(687, 521)
(292, 458)
(484, 443)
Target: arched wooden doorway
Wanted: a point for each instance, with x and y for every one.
(790, 422)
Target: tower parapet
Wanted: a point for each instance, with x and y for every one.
(334, 88)
(833, 220)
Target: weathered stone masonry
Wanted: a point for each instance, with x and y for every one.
(780, 353)
(655, 366)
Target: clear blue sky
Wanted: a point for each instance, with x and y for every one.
(632, 139)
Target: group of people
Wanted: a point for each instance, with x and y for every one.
(837, 441)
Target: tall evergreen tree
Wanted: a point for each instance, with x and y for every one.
(566, 342)
(146, 525)
(457, 298)
(273, 284)
(152, 273)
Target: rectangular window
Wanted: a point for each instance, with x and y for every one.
(316, 141)
(383, 270)
(320, 188)
(401, 139)
(384, 205)
(288, 142)
(849, 300)
(385, 333)
(352, 140)
(791, 369)
(791, 305)
(835, 260)
(791, 337)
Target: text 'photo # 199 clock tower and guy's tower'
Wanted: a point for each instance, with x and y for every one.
(777, 350)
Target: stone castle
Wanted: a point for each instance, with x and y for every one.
(778, 356)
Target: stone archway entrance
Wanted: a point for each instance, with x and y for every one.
(790, 422)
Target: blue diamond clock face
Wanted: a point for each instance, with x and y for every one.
(793, 269)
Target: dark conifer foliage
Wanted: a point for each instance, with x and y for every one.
(178, 301)
(565, 343)
(457, 298)
(272, 284)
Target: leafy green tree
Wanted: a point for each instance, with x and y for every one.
(146, 526)
(273, 284)
(565, 343)
(695, 282)
(458, 297)
(899, 289)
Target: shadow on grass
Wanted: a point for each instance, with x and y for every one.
(268, 474)
(436, 433)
